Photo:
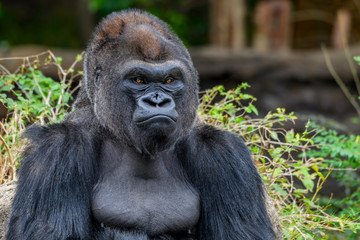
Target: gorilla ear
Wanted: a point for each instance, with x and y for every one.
(98, 71)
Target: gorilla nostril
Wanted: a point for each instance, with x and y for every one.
(150, 102)
(164, 102)
(156, 100)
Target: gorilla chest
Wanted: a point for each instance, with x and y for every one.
(148, 197)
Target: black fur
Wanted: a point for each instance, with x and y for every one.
(62, 171)
(109, 233)
(56, 178)
(232, 199)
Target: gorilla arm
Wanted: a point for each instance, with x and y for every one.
(56, 180)
(231, 189)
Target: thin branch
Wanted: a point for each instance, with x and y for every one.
(352, 66)
(5, 70)
(22, 58)
(339, 81)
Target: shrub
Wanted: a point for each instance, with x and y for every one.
(341, 153)
(31, 98)
(292, 165)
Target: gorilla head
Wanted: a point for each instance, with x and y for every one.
(140, 81)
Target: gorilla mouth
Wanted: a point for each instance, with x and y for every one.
(159, 118)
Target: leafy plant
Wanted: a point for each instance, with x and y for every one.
(342, 154)
(292, 175)
(31, 97)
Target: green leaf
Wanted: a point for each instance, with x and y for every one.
(59, 60)
(254, 109)
(274, 135)
(308, 183)
(79, 57)
(357, 59)
(10, 102)
(280, 190)
(5, 88)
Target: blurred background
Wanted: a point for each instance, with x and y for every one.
(277, 46)
(295, 54)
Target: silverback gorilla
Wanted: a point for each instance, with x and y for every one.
(131, 161)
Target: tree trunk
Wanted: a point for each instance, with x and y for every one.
(341, 30)
(227, 24)
(272, 19)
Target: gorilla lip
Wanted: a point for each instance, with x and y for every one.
(156, 118)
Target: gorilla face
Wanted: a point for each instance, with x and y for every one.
(155, 92)
(141, 81)
(155, 88)
(145, 102)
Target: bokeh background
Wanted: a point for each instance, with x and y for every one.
(291, 24)
(274, 45)
(295, 54)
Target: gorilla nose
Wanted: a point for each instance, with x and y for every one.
(156, 108)
(157, 100)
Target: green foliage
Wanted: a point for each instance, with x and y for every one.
(226, 110)
(35, 96)
(342, 151)
(31, 97)
(342, 154)
(291, 164)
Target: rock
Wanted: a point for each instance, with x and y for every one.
(7, 192)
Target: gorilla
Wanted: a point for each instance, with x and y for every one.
(132, 161)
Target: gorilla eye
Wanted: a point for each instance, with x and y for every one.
(139, 80)
(169, 80)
